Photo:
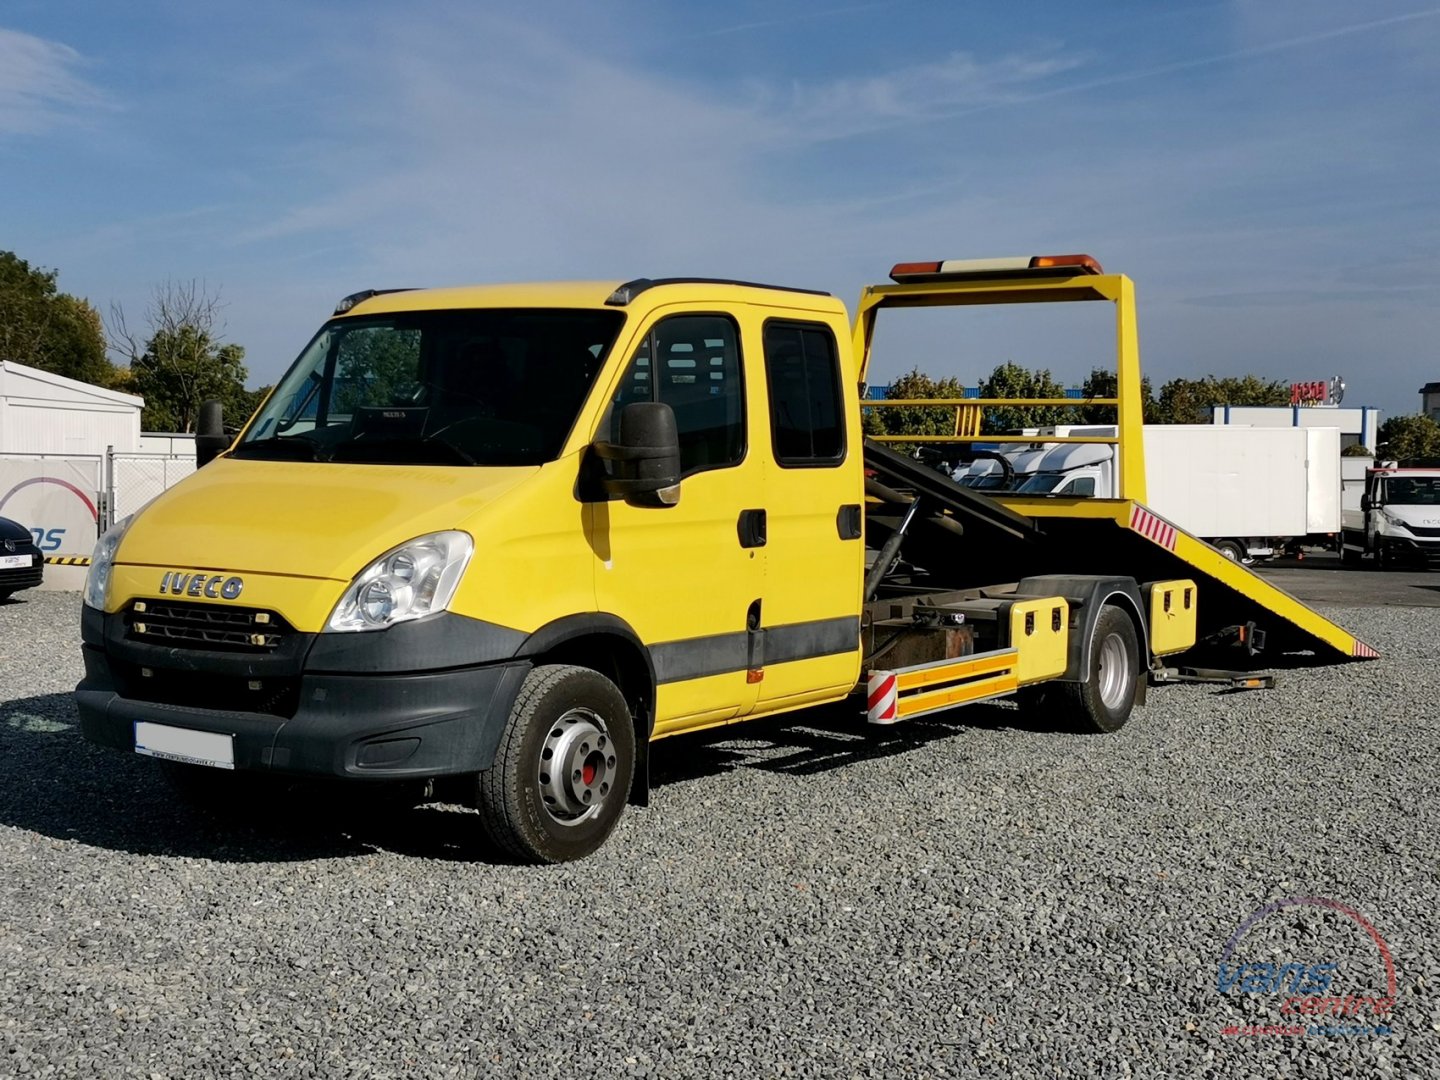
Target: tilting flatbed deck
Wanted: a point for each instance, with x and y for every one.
(1004, 531)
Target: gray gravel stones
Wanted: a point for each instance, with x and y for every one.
(970, 895)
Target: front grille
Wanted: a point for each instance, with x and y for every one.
(217, 627)
(1424, 530)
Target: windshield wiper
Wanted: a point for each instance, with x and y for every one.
(418, 449)
(278, 447)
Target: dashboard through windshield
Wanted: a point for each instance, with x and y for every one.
(458, 387)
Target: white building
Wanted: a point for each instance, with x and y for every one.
(1357, 426)
(43, 413)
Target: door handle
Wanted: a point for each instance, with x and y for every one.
(751, 528)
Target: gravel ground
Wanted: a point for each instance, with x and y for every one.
(972, 896)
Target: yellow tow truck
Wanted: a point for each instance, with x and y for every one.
(505, 537)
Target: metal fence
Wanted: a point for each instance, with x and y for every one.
(133, 479)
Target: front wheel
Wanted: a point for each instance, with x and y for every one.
(562, 771)
(1103, 702)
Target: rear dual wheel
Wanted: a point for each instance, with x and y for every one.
(1103, 702)
(562, 772)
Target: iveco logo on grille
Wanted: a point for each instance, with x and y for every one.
(215, 586)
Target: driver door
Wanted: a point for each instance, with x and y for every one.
(688, 578)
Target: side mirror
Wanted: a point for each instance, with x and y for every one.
(1367, 503)
(644, 466)
(210, 437)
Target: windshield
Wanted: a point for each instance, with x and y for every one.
(466, 387)
(1413, 490)
(1041, 483)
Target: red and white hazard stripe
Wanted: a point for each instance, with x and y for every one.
(1361, 649)
(1152, 527)
(882, 696)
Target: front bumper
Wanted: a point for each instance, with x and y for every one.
(25, 577)
(358, 724)
(1402, 549)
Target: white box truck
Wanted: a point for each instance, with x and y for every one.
(1249, 491)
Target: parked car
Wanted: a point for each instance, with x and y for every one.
(21, 564)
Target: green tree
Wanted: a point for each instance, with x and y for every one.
(1104, 384)
(181, 360)
(1190, 401)
(1010, 380)
(48, 329)
(915, 384)
(1404, 437)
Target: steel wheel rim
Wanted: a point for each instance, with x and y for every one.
(1114, 672)
(577, 768)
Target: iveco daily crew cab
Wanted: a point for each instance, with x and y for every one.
(508, 536)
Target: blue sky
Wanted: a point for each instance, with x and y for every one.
(1266, 171)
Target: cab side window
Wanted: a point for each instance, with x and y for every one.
(692, 364)
(807, 418)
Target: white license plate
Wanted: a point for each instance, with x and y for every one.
(14, 562)
(182, 744)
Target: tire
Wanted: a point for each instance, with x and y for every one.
(1349, 556)
(1103, 702)
(1383, 561)
(1232, 550)
(576, 719)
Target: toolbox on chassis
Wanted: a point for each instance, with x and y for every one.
(511, 535)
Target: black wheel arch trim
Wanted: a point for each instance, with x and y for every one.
(586, 624)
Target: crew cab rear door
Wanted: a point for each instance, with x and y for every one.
(814, 551)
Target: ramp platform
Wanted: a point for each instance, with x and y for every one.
(1123, 536)
(968, 538)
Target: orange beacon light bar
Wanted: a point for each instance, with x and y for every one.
(962, 268)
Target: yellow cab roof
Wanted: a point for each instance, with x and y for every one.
(593, 294)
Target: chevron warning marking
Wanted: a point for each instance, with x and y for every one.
(1152, 528)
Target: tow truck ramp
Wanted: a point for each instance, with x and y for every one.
(970, 538)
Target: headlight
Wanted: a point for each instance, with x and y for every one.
(414, 579)
(97, 578)
(1392, 520)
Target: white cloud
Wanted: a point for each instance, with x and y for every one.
(38, 83)
(918, 93)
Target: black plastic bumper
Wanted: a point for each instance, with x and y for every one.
(360, 724)
(1402, 550)
(23, 578)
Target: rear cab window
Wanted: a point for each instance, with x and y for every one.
(807, 413)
